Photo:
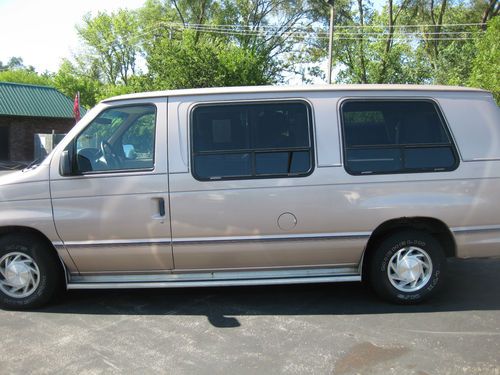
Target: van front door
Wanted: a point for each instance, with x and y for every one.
(112, 213)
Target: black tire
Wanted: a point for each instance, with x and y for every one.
(424, 244)
(49, 279)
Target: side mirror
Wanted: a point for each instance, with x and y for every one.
(65, 164)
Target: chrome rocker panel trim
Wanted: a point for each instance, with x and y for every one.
(214, 279)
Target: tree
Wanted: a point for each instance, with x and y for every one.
(254, 32)
(191, 61)
(485, 66)
(69, 81)
(25, 76)
(408, 41)
(450, 50)
(112, 44)
(15, 71)
(203, 43)
(247, 37)
(491, 10)
(15, 63)
(369, 46)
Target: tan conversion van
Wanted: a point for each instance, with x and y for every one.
(258, 185)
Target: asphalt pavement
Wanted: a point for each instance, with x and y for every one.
(307, 329)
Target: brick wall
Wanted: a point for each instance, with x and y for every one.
(23, 129)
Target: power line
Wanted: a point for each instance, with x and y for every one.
(307, 29)
(357, 35)
(321, 33)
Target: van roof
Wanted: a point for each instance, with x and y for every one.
(308, 88)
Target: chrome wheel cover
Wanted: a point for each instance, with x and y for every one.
(19, 275)
(409, 269)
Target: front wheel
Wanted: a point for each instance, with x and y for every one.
(407, 267)
(29, 272)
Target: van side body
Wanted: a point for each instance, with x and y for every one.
(172, 220)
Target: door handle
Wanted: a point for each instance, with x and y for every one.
(161, 207)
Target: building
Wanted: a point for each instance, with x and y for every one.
(26, 110)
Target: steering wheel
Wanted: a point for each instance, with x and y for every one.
(112, 159)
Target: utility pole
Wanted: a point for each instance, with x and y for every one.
(330, 42)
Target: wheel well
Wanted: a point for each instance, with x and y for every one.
(33, 232)
(435, 227)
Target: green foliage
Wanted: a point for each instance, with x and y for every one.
(15, 71)
(191, 58)
(449, 56)
(112, 42)
(361, 57)
(486, 63)
(187, 62)
(141, 134)
(107, 91)
(453, 65)
(15, 63)
(25, 76)
(69, 82)
(373, 49)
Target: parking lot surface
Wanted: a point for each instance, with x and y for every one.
(307, 329)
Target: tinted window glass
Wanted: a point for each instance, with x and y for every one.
(392, 123)
(220, 128)
(223, 165)
(395, 137)
(369, 161)
(280, 126)
(422, 157)
(275, 139)
(301, 162)
(119, 138)
(272, 163)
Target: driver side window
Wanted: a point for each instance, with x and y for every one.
(120, 138)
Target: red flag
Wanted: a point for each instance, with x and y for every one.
(76, 107)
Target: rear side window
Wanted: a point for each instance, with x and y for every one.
(257, 140)
(395, 137)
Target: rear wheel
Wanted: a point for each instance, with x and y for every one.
(29, 272)
(407, 267)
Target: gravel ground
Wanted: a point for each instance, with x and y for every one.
(312, 329)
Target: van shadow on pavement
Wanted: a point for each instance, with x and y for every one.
(470, 285)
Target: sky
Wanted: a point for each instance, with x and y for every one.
(42, 32)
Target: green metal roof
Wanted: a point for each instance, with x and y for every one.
(17, 99)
